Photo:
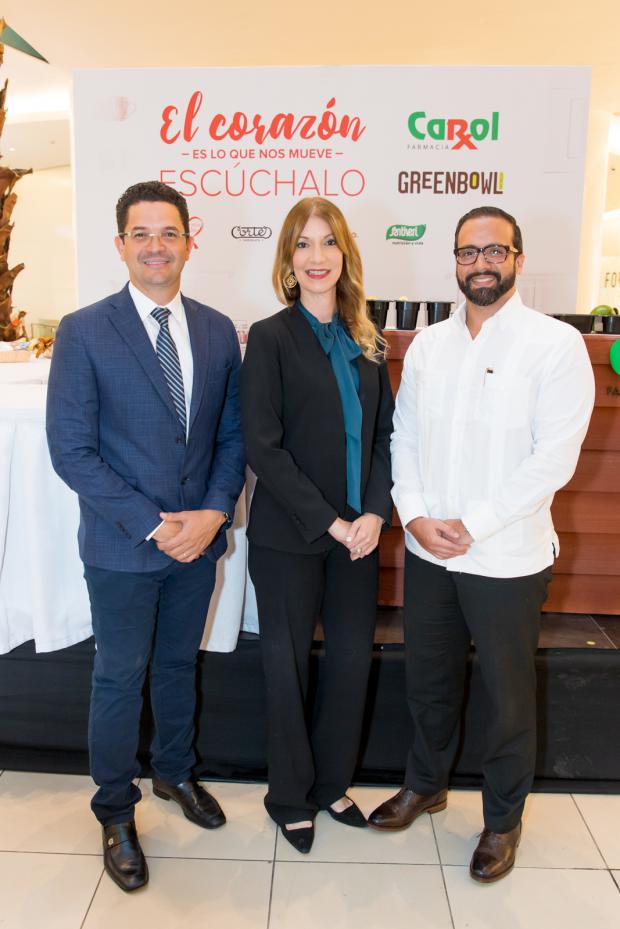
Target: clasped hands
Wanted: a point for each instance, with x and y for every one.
(184, 536)
(361, 536)
(443, 538)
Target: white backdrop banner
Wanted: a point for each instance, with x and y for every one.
(404, 151)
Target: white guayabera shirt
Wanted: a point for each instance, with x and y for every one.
(487, 429)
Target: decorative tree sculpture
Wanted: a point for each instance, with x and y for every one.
(8, 179)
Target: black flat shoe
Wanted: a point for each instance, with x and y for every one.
(123, 858)
(197, 804)
(352, 816)
(300, 839)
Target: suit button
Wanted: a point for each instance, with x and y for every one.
(185, 480)
(180, 440)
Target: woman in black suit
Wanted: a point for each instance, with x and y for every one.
(317, 417)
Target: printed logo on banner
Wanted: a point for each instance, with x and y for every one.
(439, 133)
(405, 235)
(448, 183)
(244, 153)
(251, 233)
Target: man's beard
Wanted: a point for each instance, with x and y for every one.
(485, 296)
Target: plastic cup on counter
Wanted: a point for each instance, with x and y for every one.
(407, 313)
(377, 311)
(437, 311)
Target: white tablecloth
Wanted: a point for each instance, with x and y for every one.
(42, 590)
(35, 371)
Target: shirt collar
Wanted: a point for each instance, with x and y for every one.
(144, 305)
(501, 319)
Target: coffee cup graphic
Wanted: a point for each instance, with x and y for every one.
(116, 109)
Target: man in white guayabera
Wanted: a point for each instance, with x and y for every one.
(492, 409)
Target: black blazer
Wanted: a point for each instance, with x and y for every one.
(295, 440)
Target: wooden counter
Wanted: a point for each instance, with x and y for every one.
(586, 512)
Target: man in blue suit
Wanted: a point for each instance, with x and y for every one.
(143, 424)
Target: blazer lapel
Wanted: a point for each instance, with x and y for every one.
(199, 326)
(368, 374)
(126, 320)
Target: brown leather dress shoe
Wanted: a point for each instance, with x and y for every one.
(400, 811)
(197, 804)
(495, 855)
(123, 858)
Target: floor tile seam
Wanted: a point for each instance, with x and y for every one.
(22, 851)
(443, 876)
(273, 871)
(387, 864)
(591, 834)
(521, 867)
(438, 849)
(611, 641)
(204, 858)
(32, 851)
(615, 879)
(90, 902)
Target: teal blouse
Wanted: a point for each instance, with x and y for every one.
(342, 351)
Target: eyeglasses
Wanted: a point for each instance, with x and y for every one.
(140, 237)
(494, 254)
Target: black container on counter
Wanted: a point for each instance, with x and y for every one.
(581, 321)
(611, 325)
(407, 314)
(437, 311)
(378, 310)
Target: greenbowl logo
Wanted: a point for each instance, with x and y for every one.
(405, 233)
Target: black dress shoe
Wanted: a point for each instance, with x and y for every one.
(197, 805)
(352, 816)
(495, 855)
(400, 811)
(300, 839)
(123, 858)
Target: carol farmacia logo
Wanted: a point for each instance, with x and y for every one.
(451, 132)
(405, 235)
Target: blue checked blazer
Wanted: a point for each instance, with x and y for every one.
(115, 438)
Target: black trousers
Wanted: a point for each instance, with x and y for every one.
(152, 620)
(444, 610)
(312, 751)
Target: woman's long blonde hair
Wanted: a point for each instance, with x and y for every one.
(350, 298)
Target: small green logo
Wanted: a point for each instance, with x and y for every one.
(405, 233)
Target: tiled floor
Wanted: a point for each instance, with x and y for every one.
(245, 876)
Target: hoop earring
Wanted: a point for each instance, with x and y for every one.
(290, 281)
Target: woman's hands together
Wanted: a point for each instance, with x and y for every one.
(361, 536)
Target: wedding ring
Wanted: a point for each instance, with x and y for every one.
(358, 550)
(348, 538)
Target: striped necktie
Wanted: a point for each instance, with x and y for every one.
(169, 360)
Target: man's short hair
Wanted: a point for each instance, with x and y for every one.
(517, 239)
(153, 192)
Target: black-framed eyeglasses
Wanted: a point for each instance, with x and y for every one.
(495, 254)
(140, 236)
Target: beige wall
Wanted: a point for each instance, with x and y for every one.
(43, 238)
(611, 235)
